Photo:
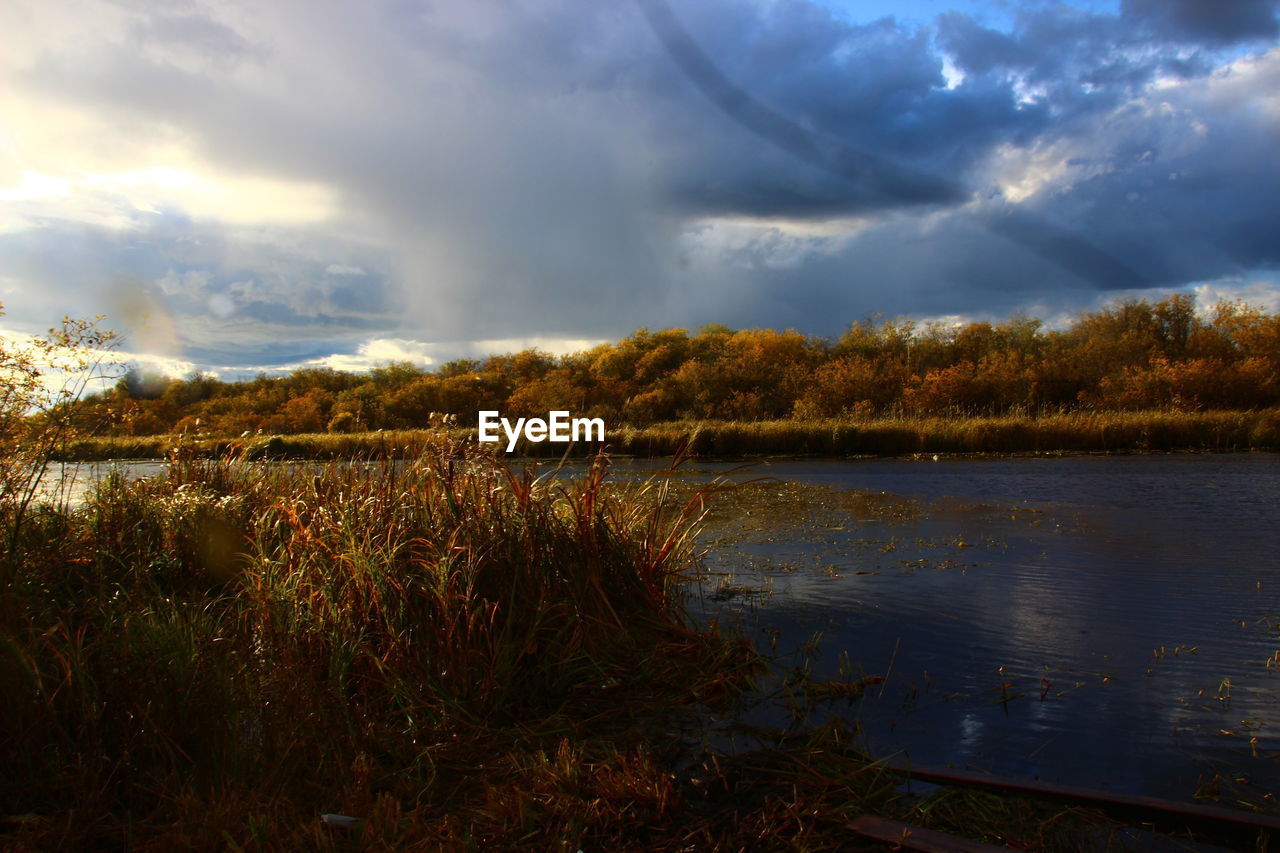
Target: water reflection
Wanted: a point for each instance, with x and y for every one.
(1096, 621)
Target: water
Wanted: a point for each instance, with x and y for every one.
(1099, 621)
(70, 482)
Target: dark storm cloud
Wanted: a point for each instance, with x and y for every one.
(864, 104)
(1169, 188)
(1210, 21)
(864, 175)
(950, 266)
(1080, 62)
(565, 168)
(1192, 201)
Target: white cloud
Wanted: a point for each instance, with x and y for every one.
(1260, 293)
(380, 351)
(115, 198)
(554, 346)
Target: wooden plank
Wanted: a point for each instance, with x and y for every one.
(916, 838)
(1156, 810)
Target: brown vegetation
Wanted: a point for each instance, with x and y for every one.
(1131, 356)
(1071, 432)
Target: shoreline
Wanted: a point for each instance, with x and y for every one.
(1080, 433)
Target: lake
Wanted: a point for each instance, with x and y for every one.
(1112, 622)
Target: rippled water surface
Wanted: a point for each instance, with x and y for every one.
(1102, 621)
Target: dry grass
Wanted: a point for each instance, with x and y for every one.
(306, 640)
(1074, 432)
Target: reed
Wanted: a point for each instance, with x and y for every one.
(286, 634)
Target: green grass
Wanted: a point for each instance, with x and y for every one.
(1077, 432)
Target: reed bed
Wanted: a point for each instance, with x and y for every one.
(397, 444)
(1070, 432)
(232, 643)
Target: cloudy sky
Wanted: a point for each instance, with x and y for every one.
(243, 185)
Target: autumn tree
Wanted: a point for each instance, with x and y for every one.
(42, 378)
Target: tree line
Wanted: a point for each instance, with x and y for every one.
(1130, 355)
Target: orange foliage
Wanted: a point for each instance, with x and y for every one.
(1129, 355)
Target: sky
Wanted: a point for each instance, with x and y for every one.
(243, 186)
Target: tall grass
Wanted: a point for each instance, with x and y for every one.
(1068, 432)
(311, 639)
(401, 444)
